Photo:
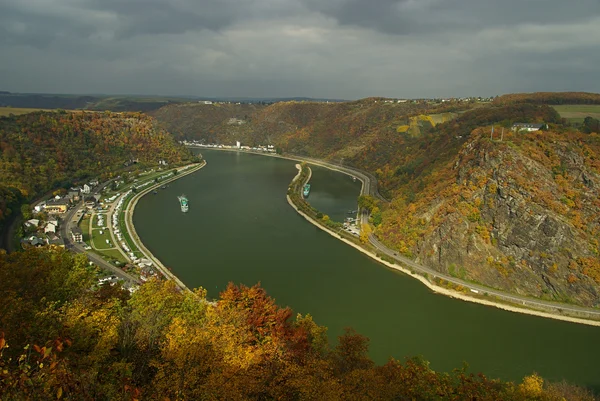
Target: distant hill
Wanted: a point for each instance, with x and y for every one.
(552, 98)
(141, 103)
(84, 102)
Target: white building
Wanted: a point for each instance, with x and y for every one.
(238, 144)
(529, 127)
(50, 228)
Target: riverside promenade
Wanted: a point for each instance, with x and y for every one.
(129, 210)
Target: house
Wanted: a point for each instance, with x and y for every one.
(529, 127)
(33, 223)
(86, 189)
(77, 234)
(57, 206)
(74, 194)
(39, 207)
(90, 202)
(50, 228)
(32, 241)
(55, 240)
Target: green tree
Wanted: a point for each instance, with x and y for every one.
(26, 211)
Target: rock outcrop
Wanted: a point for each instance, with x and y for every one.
(521, 216)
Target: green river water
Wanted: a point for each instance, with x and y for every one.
(240, 228)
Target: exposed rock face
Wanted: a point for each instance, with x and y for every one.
(520, 218)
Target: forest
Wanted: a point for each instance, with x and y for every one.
(46, 151)
(553, 98)
(62, 337)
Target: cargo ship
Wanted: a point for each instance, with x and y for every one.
(306, 190)
(183, 201)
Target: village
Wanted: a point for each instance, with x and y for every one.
(238, 145)
(90, 219)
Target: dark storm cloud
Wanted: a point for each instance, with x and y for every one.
(320, 48)
(158, 16)
(35, 27)
(430, 16)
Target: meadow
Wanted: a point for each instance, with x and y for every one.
(577, 112)
(7, 111)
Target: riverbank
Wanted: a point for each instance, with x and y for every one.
(478, 293)
(432, 286)
(129, 210)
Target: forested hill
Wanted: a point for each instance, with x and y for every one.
(43, 151)
(518, 212)
(62, 337)
(554, 98)
(216, 122)
(316, 128)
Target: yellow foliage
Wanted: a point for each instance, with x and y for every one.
(365, 231)
(402, 128)
(92, 325)
(532, 385)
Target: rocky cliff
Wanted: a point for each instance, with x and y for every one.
(521, 215)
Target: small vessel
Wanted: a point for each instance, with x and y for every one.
(353, 178)
(183, 201)
(154, 192)
(306, 190)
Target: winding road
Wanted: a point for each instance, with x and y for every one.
(65, 231)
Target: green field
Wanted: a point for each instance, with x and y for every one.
(577, 112)
(6, 111)
(85, 227)
(442, 117)
(100, 239)
(112, 254)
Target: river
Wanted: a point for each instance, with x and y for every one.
(240, 228)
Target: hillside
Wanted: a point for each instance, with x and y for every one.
(550, 98)
(519, 214)
(334, 130)
(211, 122)
(47, 150)
(64, 337)
(83, 102)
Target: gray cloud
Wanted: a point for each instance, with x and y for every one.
(431, 16)
(328, 48)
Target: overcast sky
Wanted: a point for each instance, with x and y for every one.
(345, 49)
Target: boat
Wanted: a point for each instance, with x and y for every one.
(306, 190)
(183, 201)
